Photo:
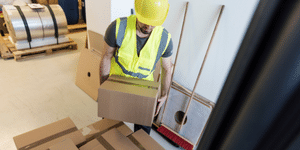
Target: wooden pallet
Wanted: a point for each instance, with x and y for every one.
(4, 50)
(8, 49)
(77, 27)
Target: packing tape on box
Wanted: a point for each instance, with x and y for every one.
(101, 132)
(124, 82)
(137, 143)
(104, 143)
(108, 146)
(47, 139)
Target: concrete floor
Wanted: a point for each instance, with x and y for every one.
(40, 90)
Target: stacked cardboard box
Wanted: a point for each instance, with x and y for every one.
(111, 134)
(66, 144)
(104, 134)
(112, 139)
(44, 137)
(144, 141)
(93, 145)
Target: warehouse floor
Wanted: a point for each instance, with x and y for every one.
(40, 90)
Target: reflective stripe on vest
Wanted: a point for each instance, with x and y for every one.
(126, 62)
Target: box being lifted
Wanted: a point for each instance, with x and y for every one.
(128, 99)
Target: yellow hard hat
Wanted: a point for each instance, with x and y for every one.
(152, 12)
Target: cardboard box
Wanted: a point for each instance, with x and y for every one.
(44, 137)
(99, 147)
(144, 141)
(92, 145)
(114, 138)
(125, 130)
(66, 144)
(88, 68)
(128, 99)
(98, 128)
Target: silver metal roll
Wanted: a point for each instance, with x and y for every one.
(39, 21)
(47, 21)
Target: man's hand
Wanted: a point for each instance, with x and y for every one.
(166, 81)
(103, 79)
(160, 101)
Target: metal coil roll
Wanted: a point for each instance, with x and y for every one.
(40, 22)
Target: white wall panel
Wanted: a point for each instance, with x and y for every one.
(201, 19)
(121, 8)
(98, 15)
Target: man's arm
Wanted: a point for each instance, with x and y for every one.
(105, 62)
(166, 75)
(165, 81)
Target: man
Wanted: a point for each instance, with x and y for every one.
(135, 44)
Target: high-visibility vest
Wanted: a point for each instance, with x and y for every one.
(126, 62)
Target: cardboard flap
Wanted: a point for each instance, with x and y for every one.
(96, 41)
(98, 53)
(90, 145)
(140, 137)
(125, 130)
(118, 141)
(87, 75)
(99, 127)
(99, 147)
(65, 144)
(105, 124)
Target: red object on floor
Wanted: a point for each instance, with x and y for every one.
(175, 138)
